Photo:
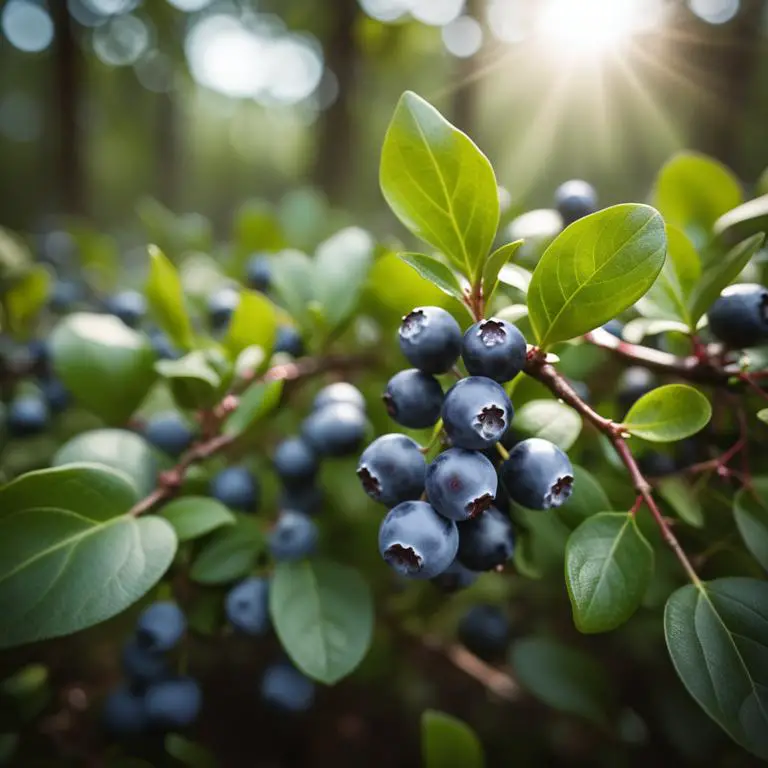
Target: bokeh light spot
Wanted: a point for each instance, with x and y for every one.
(463, 37)
(28, 26)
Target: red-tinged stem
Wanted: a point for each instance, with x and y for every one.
(749, 380)
(636, 506)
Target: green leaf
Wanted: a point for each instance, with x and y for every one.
(540, 543)
(762, 414)
(342, 264)
(436, 272)
(679, 494)
(231, 554)
(598, 267)
(717, 636)
(195, 383)
(562, 677)
(70, 555)
(107, 366)
(98, 253)
(255, 403)
(722, 273)
(550, 420)
(588, 498)
(447, 742)
(501, 256)
(323, 616)
(750, 510)
(117, 449)
(166, 299)
(608, 566)
(668, 413)
(26, 298)
(516, 276)
(293, 274)
(742, 222)
(693, 191)
(637, 329)
(15, 258)
(253, 324)
(196, 516)
(439, 184)
(256, 228)
(188, 752)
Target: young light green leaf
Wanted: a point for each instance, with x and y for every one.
(256, 228)
(717, 636)
(594, 270)
(762, 414)
(439, 184)
(254, 323)
(231, 554)
(255, 403)
(15, 258)
(293, 274)
(447, 741)
(323, 616)
(721, 274)
(106, 365)
(26, 298)
(750, 510)
(747, 220)
(639, 327)
(681, 496)
(550, 420)
(588, 498)
(668, 413)
(196, 516)
(608, 566)
(70, 555)
(436, 272)
(166, 299)
(195, 383)
(501, 256)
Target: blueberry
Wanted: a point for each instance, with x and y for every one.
(143, 666)
(124, 712)
(538, 474)
(173, 703)
(476, 413)
(236, 488)
(39, 356)
(614, 327)
(160, 627)
(164, 348)
(308, 499)
(65, 293)
(258, 272)
(484, 630)
(129, 306)
(416, 541)
(56, 394)
(494, 348)
(461, 484)
(221, 307)
(169, 432)
(247, 606)
(455, 577)
(739, 318)
(294, 536)
(392, 469)
(289, 341)
(27, 415)
(295, 462)
(335, 430)
(430, 339)
(574, 199)
(340, 392)
(286, 689)
(486, 542)
(413, 399)
(633, 383)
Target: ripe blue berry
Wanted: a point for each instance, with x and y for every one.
(247, 606)
(739, 318)
(476, 413)
(258, 272)
(574, 199)
(236, 488)
(285, 688)
(289, 341)
(416, 541)
(413, 399)
(295, 462)
(173, 703)
(455, 577)
(27, 415)
(56, 394)
(538, 474)
(221, 306)
(163, 346)
(308, 499)
(430, 339)
(294, 536)
(340, 392)
(461, 484)
(143, 666)
(335, 430)
(169, 432)
(486, 542)
(124, 713)
(39, 356)
(129, 306)
(65, 293)
(614, 327)
(160, 627)
(392, 469)
(485, 631)
(494, 348)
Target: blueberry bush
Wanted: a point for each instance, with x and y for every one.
(530, 452)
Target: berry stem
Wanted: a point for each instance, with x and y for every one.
(503, 452)
(434, 439)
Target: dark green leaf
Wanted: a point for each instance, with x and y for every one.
(550, 420)
(255, 403)
(195, 383)
(231, 554)
(188, 752)
(107, 366)
(439, 184)
(26, 298)
(436, 272)
(501, 256)
(253, 324)
(196, 516)
(717, 636)
(447, 742)
(747, 220)
(598, 267)
(166, 299)
(540, 544)
(668, 413)
(588, 498)
(323, 615)
(679, 494)
(750, 509)
(70, 554)
(608, 566)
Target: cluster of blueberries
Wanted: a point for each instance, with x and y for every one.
(448, 520)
